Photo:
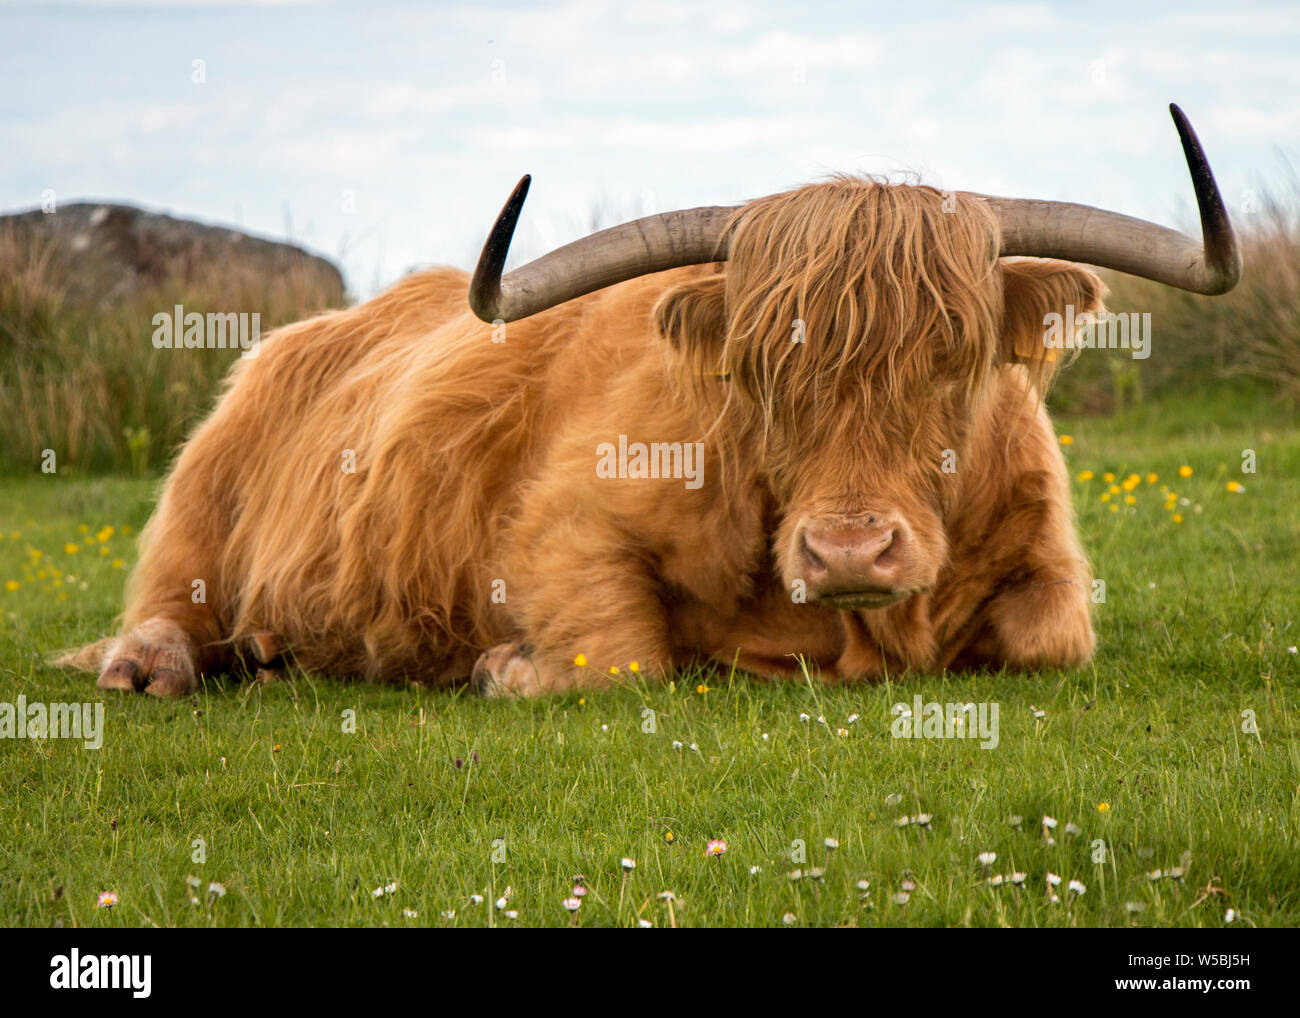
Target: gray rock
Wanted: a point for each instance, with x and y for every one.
(110, 253)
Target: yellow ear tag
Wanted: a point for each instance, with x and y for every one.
(1024, 351)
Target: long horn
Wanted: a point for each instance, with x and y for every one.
(1043, 229)
(652, 244)
(1080, 233)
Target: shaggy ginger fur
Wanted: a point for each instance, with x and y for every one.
(863, 365)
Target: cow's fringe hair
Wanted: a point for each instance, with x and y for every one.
(890, 282)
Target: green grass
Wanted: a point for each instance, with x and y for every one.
(302, 820)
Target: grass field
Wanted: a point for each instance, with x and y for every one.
(301, 821)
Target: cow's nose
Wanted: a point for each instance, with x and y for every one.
(858, 562)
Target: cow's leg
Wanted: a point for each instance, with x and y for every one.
(170, 633)
(1043, 622)
(585, 625)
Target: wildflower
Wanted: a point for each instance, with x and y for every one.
(633, 667)
(71, 549)
(476, 899)
(701, 688)
(996, 880)
(613, 669)
(579, 890)
(1130, 500)
(715, 847)
(667, 896)
(755, 870)
(106, 899)
(831, 844)
(1072, 829)
(1103, 807)
(1018, 879)
(817, 873)
(1152, 478)
(628, 864)
(12, 585)
(789, 919)
(1067, 440)
(853, 718)
(1230, 916)
(804, 718)
(1053, 880)
(677, 745)
(219, 890)
(987, 859)
(573, 904)
(863, 886)
(645, 924)
(908, 885)
(902, 898)
(1236, 486)
(841, 732)
(795, 874)
(1015, 821)
(580, 660)
(1134, 907)
(1077, 888)
(1108, 477)
(1178, 518)
(1049, 822)
(380, 892)
(410, 913)
(1086, 475)
(1184, 471)
(924, 819)
(668, 836)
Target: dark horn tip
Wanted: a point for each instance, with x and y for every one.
(1222, 255)
(485, 287)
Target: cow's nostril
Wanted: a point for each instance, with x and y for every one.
(815, 561)
(889, 559)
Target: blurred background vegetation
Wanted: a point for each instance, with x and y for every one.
(83, 378)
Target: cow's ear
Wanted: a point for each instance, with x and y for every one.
(692, 316)
(1040, 296)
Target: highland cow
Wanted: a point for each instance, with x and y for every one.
(399, 490)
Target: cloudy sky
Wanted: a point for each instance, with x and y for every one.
(387, 135)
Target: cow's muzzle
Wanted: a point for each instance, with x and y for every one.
(865, 563)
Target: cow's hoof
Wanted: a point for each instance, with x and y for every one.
(506, 671)
(156, 657)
